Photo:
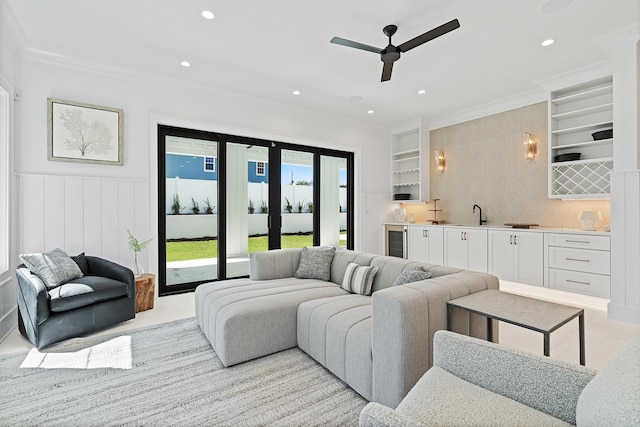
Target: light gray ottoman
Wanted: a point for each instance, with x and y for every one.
(244, 319)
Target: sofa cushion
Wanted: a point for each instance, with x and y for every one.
(54, 267)
(612, 397)
(85, 291)
(315, 263)
(336, 332)
(342, 258)
(411, 275)
(358, 278)
(442, 399)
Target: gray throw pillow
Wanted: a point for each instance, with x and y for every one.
(315, 262)
(411, 275)
(54, 267)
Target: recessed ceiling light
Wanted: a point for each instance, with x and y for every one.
(207, 14)
(370, 112)
(185, 63)
(422, 92)
(548, 42)
(296, 92)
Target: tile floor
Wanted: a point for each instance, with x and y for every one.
(603, 337)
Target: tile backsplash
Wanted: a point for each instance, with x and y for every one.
(486, 165)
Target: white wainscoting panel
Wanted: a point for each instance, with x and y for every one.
(83, 214)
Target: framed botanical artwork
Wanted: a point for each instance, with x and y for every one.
(84, 133)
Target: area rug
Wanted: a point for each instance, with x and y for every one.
(176, 379)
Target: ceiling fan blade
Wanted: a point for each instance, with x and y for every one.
(386, 71)
(429, 35)
(349, 43)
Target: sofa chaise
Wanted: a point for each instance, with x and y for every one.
(380, 345)
(477, 383)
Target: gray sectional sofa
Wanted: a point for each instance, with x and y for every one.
(380, 345)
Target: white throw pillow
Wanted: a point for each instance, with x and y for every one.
(359, 278)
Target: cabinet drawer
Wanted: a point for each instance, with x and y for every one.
(580, 260)
(584, 283)
(580, 241)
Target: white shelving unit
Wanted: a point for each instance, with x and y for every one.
(575, 113)
(410, 162)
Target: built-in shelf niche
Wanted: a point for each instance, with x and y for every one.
(410, 162)
(575, 113)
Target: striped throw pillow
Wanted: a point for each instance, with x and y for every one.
(359, 278)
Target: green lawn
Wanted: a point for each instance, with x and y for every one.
(198, 249)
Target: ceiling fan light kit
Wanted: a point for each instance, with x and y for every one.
(391, 53)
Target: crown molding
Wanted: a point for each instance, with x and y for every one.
(580, 75)
(501, 105)
(623, 37)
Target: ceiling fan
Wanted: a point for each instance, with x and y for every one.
(391, 53)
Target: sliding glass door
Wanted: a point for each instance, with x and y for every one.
(222, 197)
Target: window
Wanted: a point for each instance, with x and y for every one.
(209, 164)
(260, 168)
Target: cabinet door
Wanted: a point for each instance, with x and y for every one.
(417, 244)
(501, 254)
(476, 241)
(455, 248)
(435, 245)
(529, 258)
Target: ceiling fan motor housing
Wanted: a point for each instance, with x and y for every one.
(390, 54)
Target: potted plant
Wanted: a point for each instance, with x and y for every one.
(252, 208)
(288, 207)
(264, 208)
(300, 206)
(136, 246)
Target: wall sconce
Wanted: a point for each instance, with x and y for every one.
(440, 161)
(531, 145)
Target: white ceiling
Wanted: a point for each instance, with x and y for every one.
(270, 48)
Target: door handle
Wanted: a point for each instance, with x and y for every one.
(576, 259)
(515, 240)
(511, 240)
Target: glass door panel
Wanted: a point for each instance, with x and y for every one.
(191, 197)
(333, 201)
(297, 198)
(247, 205)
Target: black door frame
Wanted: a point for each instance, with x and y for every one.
(275, 215)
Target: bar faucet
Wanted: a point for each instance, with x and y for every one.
(480, 220)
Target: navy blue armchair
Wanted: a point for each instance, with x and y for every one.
(104, 296)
